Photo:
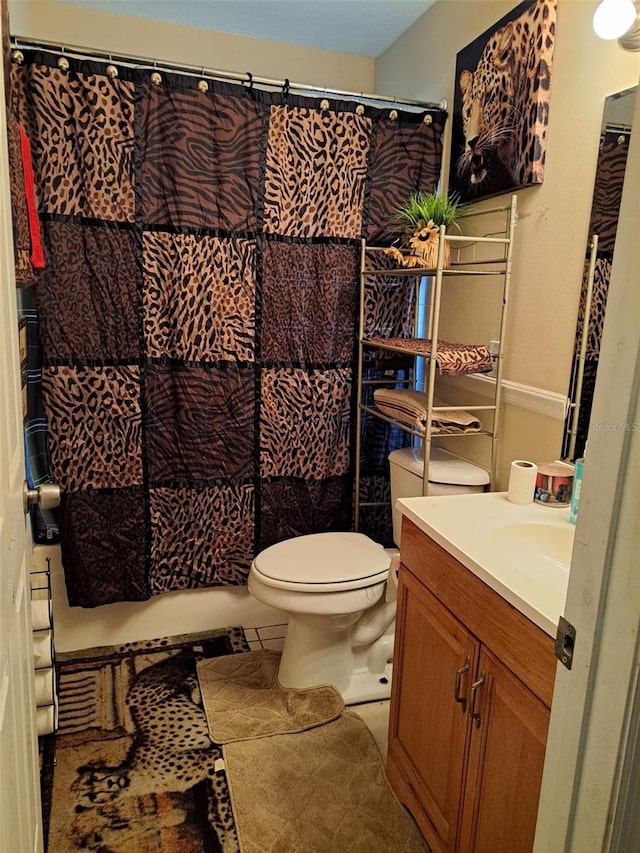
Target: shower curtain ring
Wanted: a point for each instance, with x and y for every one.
(250, 80)
(63, 62)
(285, 87)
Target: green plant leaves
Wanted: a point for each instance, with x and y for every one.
(420, 208)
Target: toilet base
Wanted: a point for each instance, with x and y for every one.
(318, 650)
(367, 686)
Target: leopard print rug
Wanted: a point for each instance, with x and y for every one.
(132, 767)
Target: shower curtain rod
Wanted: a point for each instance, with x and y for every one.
(621, 128)
(78, 52)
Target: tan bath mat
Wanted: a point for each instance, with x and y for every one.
(242, 698)
(319, 791)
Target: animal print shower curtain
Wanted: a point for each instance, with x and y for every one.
(198, 310)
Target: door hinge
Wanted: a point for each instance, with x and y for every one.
(565, 642)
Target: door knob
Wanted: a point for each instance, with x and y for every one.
(46, 496)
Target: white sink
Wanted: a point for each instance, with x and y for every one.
(522, 552)
(540, 548)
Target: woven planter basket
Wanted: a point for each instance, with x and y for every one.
(429, 251)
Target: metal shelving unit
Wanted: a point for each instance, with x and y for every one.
(466, 263)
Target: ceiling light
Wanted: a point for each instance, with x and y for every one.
(613, 18)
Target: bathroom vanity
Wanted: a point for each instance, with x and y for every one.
(473, 674)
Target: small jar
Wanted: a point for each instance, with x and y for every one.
(554, 484)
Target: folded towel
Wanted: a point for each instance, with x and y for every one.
(28, 246)
(409, 407)
(21, 236)
(452, 359)
(37, 255)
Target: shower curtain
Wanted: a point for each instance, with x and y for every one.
(197, 311)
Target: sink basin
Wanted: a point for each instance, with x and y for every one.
(540, 549)
(522, 552)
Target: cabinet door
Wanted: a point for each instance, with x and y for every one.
(505, 763)
(428, 733)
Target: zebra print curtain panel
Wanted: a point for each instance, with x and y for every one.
(197, 311)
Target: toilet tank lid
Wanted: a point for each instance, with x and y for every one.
(324, 558)
(444, 467)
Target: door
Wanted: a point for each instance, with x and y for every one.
(429, 728)
(20, 814)
(509, 733)
(588, 791)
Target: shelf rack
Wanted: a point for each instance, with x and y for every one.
(470, 266)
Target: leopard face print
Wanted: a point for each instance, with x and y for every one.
(505, 101)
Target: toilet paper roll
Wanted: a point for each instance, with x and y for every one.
(40, 615)
(522, 481)
(45, 720)
(44, 686)
(42, 645)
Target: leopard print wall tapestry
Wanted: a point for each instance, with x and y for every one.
(197, 311)
(501, 104)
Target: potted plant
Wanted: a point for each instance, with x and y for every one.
(420, 218)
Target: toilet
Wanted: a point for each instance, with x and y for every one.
(340, 593)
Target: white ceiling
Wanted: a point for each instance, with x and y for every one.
(360, 27)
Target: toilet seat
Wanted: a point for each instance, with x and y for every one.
(323, 562)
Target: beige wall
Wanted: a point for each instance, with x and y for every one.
(73, 25)
(551, 235)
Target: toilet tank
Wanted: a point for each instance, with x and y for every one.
(448, 475)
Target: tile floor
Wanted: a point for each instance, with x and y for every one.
(268, 637)
(374, 714)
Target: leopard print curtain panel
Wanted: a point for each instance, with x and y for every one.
(197, 312)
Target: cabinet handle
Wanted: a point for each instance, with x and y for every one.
(475, 715)
(456, 690)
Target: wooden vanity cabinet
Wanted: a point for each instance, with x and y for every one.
(472, 687)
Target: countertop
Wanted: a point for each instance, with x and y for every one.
(521, 552)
